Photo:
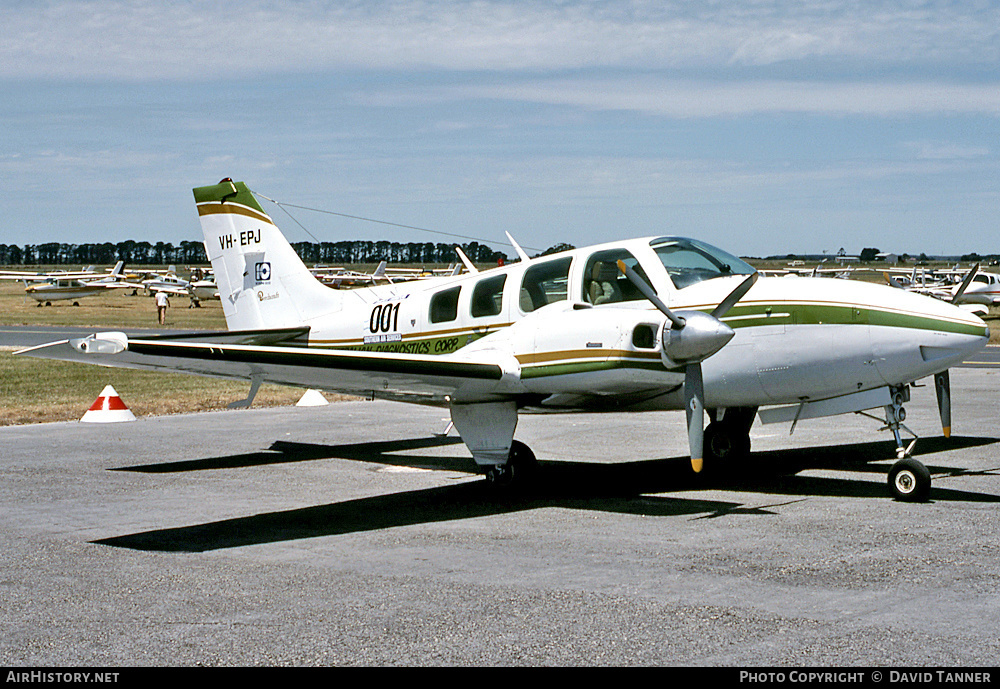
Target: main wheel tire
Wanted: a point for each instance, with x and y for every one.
(521, 465)
(725, 448)
(909, 480)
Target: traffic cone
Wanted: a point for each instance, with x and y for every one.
(311, 398)
(108, 408)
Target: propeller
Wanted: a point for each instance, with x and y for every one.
(942, 385)
(690, 338)
(965, 283)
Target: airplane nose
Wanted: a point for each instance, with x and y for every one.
(936, 336)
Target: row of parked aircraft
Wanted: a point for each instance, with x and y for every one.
(47, 287)
(649, 324)
(973, 290)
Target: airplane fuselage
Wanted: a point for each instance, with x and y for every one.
(62, 289)
(577, 345)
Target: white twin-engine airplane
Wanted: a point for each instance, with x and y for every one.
(644, 324)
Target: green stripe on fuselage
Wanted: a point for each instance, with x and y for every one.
(557, 369)
(785, 313)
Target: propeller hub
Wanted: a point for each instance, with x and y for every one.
(702, 336)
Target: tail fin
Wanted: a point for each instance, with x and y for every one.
(262, 282)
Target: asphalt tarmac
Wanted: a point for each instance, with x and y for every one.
(351, 535)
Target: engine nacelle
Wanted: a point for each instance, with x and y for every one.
(702, 336)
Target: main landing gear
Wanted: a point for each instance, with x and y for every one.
(727, 440)
(520, 466)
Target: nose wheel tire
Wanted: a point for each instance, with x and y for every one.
(910, 481)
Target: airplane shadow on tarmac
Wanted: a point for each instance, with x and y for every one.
(626, 487)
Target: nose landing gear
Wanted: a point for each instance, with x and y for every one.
(909, 480)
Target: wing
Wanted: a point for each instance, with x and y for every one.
(176, 291)
(271, 356)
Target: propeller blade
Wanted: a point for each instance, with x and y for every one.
(694, 405)
(965, 283)
(648, 292)
(734, 296)
(942, 385)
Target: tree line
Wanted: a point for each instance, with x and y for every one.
(135, 253)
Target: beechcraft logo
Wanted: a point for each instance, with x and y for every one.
(262, 271)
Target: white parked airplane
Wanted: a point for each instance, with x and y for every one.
(195, 289)
(973, 290)
(644, 324)
(57, 288)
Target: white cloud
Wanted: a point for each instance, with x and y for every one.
(144, 40)
(685, 98)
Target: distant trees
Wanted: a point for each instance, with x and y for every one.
(189, 252)
(357, 251)
(563, 246)
(105, 253)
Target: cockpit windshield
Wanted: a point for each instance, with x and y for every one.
(689, 261)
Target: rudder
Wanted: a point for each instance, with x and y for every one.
(262, 282)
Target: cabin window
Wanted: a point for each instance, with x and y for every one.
(545, 283)
(444, 305)
(689, 261)
(487, 297)
(644, 336)
(603, 283)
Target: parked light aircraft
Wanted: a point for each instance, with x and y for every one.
(657, 323)
(57, 287)
(971, 290)
(342, 277)
(24, 275)
(195, 289)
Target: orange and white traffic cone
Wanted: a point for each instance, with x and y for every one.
(108, 408)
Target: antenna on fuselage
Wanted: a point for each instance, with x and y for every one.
(465, 259)
(517, 248)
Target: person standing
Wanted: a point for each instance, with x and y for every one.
(161, 306)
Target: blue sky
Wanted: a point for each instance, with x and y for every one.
(762, 127)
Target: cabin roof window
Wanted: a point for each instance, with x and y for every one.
(444, 305)
(545, 283)
(487, 296)
(689, 261)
